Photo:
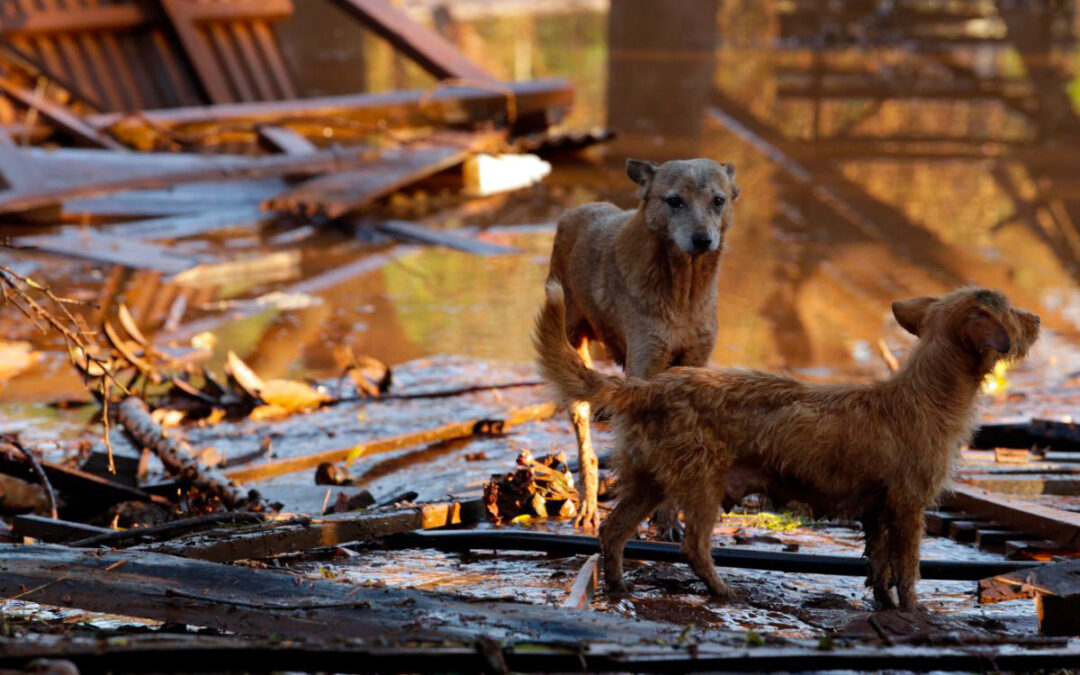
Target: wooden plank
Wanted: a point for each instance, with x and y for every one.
(447, 432)
(61, 117)
(264, 90)
(265, 602)
(284, 139)
(112, 250)
(458, 105)
(190, 225)
(191, 653)
(1057, 525)
(266, 541)
(432, 51)
(198, 51)
(271, 53)
(1026, 484)
(802, 563)
(53, 531)
(78, 488)
(151, 170)
(581, 593)
(335, 195)
(413, 232)
(1055, 588)
(111, 18)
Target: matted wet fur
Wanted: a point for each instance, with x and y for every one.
(643, 282)
(877, 452)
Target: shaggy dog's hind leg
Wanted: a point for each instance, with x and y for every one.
(639, 495)
(880, 576)
(700, 512)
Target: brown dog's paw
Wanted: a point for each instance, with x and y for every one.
(621, 587)
(726, 595)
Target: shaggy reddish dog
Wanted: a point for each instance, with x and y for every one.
(879, 453)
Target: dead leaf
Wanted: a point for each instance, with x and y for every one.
(293, 395)
(15, 357)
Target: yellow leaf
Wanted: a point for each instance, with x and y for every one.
(292, 395)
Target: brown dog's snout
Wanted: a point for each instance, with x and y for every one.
(701, 241)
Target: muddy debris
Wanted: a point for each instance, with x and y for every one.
(538, 488)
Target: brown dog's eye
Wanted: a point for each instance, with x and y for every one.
(718, 201)
(674, 201)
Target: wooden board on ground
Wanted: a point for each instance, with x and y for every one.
(265, 541)
(1027, 484)
(412, 232)
(1057, 525)
(263, 602)
(1055, 588)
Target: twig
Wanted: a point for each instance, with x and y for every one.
(105, 422)
(50, 495)
(172, 592)
(445, 393)
(887, 356)
(165, 530)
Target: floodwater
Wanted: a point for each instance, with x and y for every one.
(881, 154)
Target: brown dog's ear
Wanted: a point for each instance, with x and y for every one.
(641, 171)
(910, 313)
(986, 332)
(729, 169)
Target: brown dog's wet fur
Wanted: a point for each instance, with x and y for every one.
(879, 452)
(643, 281)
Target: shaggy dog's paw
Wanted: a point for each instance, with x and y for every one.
(588, 519)
(621, 587)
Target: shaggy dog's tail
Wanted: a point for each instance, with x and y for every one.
(560, 364)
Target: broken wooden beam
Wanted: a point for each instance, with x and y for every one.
(61, 117)
(336, 194)
(263, 602)
(804, 563)
(581, 592)
(1066, 484)
(285, 140)
(52, 530)
(79, 490)
(273, 539)
(1057, 525)
(447, 432)
(1055, 588)
(431, 51)
(181, 460)
(452, 105)
(110, 249)
(190, 653)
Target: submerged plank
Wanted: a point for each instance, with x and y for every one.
(263, 602)
(413, 232)
(110, 249)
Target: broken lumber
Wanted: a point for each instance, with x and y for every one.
(549, 99)
(803, 563)
(447, 432)
(188, 653)
(581, 592)
(285, 140)
(336, 194)
(53, 530)
(61, 117)
(1055, 588)
(1060, 526)
(433, 52)
(79, 490)
(272, 539)
(98, 247)
(264, 602)
(180, 459)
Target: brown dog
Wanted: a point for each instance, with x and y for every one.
(643, 282)
(879, 452)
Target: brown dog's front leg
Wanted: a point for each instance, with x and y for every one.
(877, 558)
(905, 536)
(588, 517)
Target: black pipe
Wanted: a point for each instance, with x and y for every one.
(574, 544)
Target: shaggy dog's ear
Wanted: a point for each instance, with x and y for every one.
(984, 332)
(729, 169)
(910, 313)
(641, 172)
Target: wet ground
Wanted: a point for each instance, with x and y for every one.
(881, 154)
